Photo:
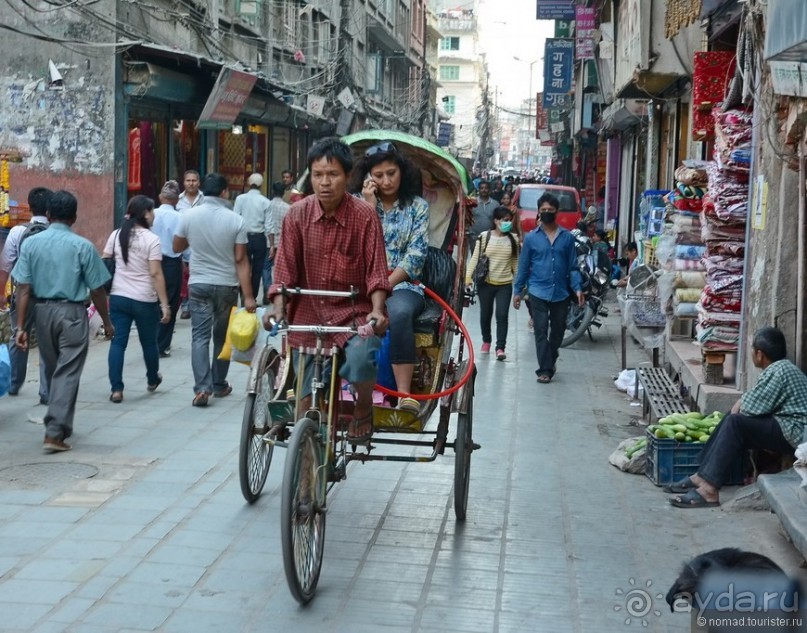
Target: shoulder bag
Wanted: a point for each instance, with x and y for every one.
(482, 268)
(109, 262)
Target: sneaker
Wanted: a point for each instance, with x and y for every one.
(52, 445)
(500, 355)
(486, 348)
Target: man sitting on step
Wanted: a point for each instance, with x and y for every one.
(771, 416)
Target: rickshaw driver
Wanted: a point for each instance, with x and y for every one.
(332, 241)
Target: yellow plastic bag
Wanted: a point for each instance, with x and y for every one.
(243, 330)
(227, 348)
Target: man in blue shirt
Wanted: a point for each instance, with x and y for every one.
(547, 266)
(55, 270)
(166, 222)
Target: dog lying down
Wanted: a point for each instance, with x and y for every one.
(726, 560)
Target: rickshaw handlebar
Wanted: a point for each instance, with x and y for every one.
(349, 294)
(364, 331)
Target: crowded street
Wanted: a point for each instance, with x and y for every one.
(142, 525)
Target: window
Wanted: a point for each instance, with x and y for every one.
(450, 104)
(449, 44)
(449, 73)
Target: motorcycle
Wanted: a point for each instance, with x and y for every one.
(595, 272)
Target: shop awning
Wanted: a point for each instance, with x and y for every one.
(623, 114)
(786, 31)
(647, 85)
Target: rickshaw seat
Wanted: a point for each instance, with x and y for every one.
(439, 274)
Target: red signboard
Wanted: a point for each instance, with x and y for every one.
(227, 99)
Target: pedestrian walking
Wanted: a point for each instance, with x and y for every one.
(277, 212)
(37, 201)
(483, 213)
(55, 269)
(166, 222)
(547, 267)
(191, 197)
(501, 248)
(289, 190)
(137, 285)
(219, 265)
(253, 206)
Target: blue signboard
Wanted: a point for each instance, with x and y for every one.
(444, 132)
(555, 9)
(558, 72)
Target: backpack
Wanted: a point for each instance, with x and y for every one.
(32, 228)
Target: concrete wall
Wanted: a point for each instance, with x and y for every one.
(67, 134)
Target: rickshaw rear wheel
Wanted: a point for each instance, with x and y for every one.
(463, 447)
(302, 520)
(255, 455)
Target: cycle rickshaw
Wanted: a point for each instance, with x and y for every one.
(318, 450)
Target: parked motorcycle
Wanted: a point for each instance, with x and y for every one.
(595, 271)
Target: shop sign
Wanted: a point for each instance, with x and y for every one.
(558, 70)
(789, 78)
(555, 9)
(564, 28)
(227, 99)
(586, 21)
(344, 123)
(444, 134)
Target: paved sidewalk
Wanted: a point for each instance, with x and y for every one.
(158, 536)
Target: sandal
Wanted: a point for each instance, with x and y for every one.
(693, 499)
(153, 388)
(116, 397)
(223, 393)
(354, 434)
(680, 487)
(544, 378)
(410, 405)
(200, 399)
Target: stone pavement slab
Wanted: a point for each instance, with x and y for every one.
(161, 539)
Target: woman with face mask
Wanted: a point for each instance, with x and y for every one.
(501, 249)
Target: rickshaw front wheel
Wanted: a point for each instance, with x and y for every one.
(255, 455)
(302, 521)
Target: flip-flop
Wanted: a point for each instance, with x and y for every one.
(358, 424)
(409, 405)
(544, 379)
(680, 487)
(693, 499)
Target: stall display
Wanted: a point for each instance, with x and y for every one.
(723, 227)
(11, 213)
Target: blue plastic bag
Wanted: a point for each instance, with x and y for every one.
(5, 370)
(385, 377)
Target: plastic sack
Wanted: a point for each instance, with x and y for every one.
(626, 381)
(665, 250)
(5, 370)
(96, 323)
(635, 464)
(243, 329)
(227, 348)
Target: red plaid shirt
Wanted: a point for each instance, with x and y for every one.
(330, 253)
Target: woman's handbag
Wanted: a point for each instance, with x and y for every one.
(109, 262)
(482, 268)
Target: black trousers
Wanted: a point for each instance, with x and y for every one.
(735, 434)
(494, 296)
(172, 271)
(549, 325)
(256, 251)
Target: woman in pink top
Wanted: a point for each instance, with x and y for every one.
(137, 286)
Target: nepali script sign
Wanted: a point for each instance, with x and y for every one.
(586, 22)
(227, 99)
(555, 10)
(558, 71)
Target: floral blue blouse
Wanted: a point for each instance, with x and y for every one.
(406, 237)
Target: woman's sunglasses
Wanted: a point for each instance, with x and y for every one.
(381, 148)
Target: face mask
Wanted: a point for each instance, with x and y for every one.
(548, 217)
(506, 226)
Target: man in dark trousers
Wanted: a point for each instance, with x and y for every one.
(771, 416)
(166, 222)
(547, 267)
(55, 270)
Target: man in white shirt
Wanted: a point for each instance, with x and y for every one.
(253, 206)
(166, 222)
(188, 199)
(277, 211)
(219, 265)
(37, 202)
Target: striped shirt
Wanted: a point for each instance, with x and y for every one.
(502, 258)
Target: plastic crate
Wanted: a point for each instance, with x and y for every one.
(668, 461)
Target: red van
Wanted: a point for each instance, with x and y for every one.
(525, 201)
